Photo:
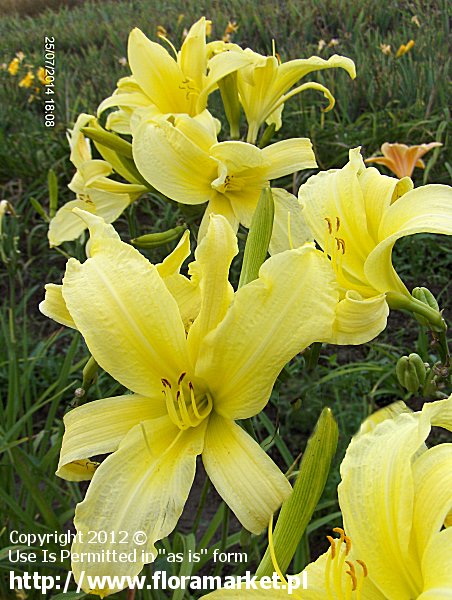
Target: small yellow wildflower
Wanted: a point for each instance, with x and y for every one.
(404, 48)
(27, 81)
(333, 43)
(20, 55)
(321, 45)
(13, 66)
(385, 48)
(415, 20)
(230, 29)
(42, 76)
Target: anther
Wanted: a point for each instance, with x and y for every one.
(338, 223)
(179, 381)
(340, 244)
(166, 383)
(340, 531)
(332, 542)
(352, 574)
(348, 545)
(328, 222)
(363, 567)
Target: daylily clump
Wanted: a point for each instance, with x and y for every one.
(396, 499)
(191, 378)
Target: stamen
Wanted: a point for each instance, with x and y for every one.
(271, 547)
(332, 542)
(143, 431)
(338, 223)
(330, 227)
(170, 44)
(348, 545)
(363, 566)
(342, 581)
(186, 414)
(352, 574)
(340, 244)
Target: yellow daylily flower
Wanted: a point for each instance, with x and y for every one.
(13, 66)
(396, 498)
(402, 159)
(95, 191)
(168, 85)
(404, 48)
(356, 216)
(190, 383)
(182, 159)
(27, 80)
(265, 85)
(42, 75)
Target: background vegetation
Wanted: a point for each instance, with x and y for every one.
(402, 100)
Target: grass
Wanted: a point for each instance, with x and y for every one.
(392, 99)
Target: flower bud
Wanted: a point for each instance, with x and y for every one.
(154, 240)
(411, 372)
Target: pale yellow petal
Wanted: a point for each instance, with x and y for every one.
(192, 57)
(245, 477)
(437, 567)
(98, 428)
(129, 319)
(109, 206)
(93, 169)
(290, 230)
(425, 209)
(238, 156)
(387, 412)
(184, 291)
(219, 205)
(172, 264)
(219, 66)
(290, 72)
(358, 319)
(173, 164)
(210, 272)
(201, 130)
(142, 487)
(334, 209)
(291, 305)
(288, 156)
(377, 477)
(79, 144)
(379, 193)
(65, 225)
(54, 306)
(157, 73)
(433, 501)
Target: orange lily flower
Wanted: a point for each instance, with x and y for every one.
(401, 159)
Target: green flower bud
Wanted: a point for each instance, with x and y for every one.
(154, 240)
(425, 296)
(411, 372)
